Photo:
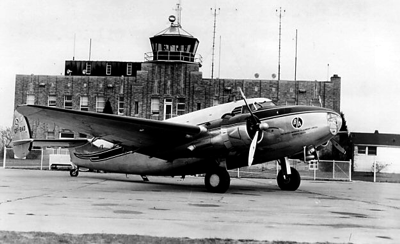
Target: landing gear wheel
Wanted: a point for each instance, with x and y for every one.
(74, 172)
(217, 180)
(292, 181)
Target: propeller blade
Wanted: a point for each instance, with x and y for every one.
(338, 147)
(253, 149)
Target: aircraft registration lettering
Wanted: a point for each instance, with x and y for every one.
(300, 132)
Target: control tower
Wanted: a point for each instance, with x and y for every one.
(173, 44)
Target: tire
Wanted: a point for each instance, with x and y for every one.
(74, 172)
(290, 184)
(217, 180)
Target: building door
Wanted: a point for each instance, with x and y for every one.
(167, 108)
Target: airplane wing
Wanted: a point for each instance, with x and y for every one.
(136, 133)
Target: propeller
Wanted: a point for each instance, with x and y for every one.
(254, 125)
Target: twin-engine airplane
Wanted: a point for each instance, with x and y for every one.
(209, 141)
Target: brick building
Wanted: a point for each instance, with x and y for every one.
(168, 83)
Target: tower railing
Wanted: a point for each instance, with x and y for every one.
(173, 56)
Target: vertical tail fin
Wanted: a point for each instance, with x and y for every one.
(21, 136)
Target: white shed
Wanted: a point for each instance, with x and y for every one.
(384, 149)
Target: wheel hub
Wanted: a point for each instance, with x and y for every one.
(214, 180)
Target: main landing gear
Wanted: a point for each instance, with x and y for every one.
(217, 180)
(288, 178)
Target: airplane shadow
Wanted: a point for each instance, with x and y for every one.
(237, 187)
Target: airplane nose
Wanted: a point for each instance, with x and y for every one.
(334, 122)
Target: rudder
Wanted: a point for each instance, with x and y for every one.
(21, 137)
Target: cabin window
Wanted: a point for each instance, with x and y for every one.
(100, 103)
(108, 69)
(68, 101)
(52, 101)
(30, 99)
(121, 105)
(155, 106)
(67, 134)
(180, 106)
(84, 103)
(129, 69)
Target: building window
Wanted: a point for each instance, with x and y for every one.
(66, 134)
(100, 103)
(155, 106)
(50, 135)
(362, 150)
(88, 69)
(84, 103)
(121, 105)
(68, 101)
(30, 99)
(108, 69)
(52, 101)
(372, 151)
(198, 106)
(129, 69)
(180, 106)
(136, 107)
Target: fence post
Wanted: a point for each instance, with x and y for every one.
(350, 169)
(4, 157)
(238, 173)
(374, 170)
(333, 170)
(41, 159)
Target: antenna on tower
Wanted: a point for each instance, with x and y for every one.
(178, 12)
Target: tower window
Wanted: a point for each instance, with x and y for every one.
(155, 106)
(108, 69)
(52, 101)
(121, 105)
(84, 103)
(88, 69)
(180, 106)
(68, 101)
(100, 103)
(136, 107)
(129, 69)
(30, 99)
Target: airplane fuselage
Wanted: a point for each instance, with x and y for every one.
(290, 129)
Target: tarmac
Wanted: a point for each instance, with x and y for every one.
(255, 209)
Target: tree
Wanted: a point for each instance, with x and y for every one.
(6, 138)
(107, 108)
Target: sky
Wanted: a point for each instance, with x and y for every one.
(357, 40)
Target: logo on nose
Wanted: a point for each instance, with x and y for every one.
(297, 123)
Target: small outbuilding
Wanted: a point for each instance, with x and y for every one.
(384, 149)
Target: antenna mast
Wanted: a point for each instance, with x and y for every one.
(213, 46)
(178, 13)
(279, 56)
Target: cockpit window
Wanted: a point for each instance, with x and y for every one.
(254, 107)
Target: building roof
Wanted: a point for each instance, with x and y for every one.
(376, 139)
(174, 30)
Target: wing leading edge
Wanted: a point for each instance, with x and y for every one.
(142, 134)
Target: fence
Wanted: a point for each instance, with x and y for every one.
(36, 159)
(322, 170)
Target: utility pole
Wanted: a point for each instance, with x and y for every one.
(279, 54)
(295, 73)
(213, 45)
(280, 34)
